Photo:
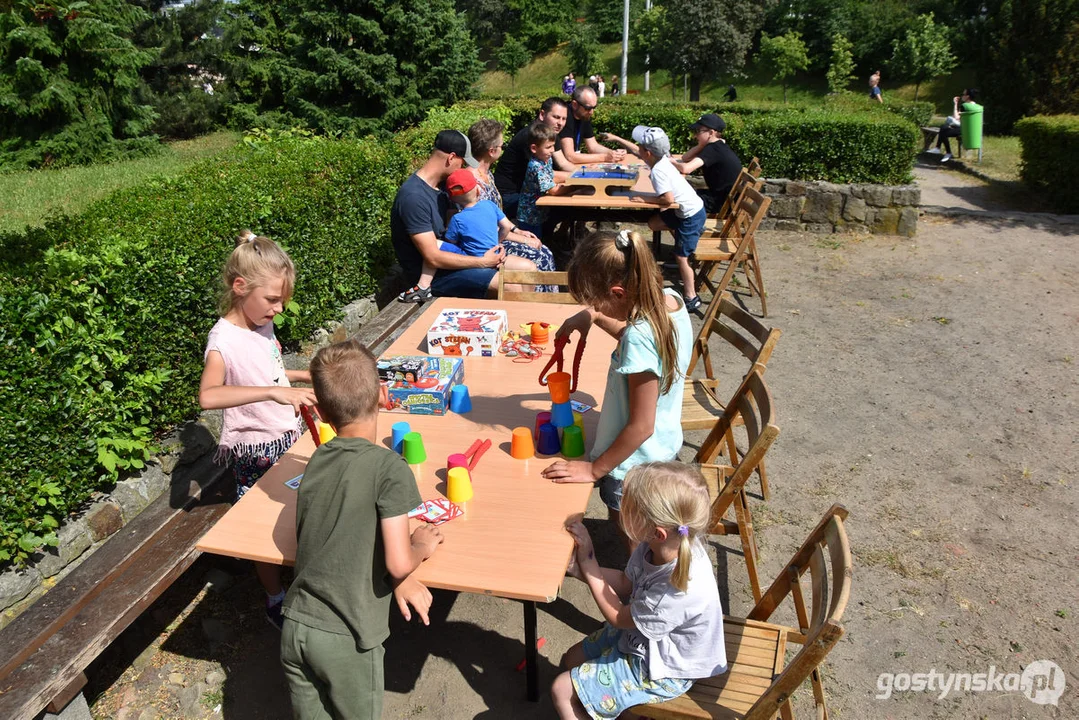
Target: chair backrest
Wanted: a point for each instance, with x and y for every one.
(743, 331)
(751, 405)
(818, 621)
(530, 279)
(745, 179)
(754, 167)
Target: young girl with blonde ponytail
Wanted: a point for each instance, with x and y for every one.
(669, 631)
(615, 276)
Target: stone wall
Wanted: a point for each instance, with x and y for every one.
(821, 207)
(185, 455)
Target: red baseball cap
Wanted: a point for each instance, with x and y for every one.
(459, 182)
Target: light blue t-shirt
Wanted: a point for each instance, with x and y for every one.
(636, 353)
(475, 228)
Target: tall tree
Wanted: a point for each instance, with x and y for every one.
(348, 66)
(606, 15)
(512, 56)
(67, 79)
(702, 38)
(489, 21)
(923, 53)
(841, 68)
(785, 54)
(583, 52)
(1030, 62)
(542, 24)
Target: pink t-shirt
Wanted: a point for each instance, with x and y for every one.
(252, 358)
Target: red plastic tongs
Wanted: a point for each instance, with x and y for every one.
(557, 357)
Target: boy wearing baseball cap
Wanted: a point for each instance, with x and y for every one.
(687, 220)
(480, 225)
(721, 165)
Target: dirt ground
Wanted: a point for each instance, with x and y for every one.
(928, 384)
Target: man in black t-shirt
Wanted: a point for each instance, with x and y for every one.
(577, 141)
(510, 171)
(721, 165)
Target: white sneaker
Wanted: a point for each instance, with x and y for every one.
(946, 158)
(933, 151)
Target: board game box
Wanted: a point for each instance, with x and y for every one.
(417, 384)
(467, 332)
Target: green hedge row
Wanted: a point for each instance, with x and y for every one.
(1050, 154)
(850, 140)
(104, 316)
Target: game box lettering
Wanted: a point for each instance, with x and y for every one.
(418, 385)
(467, 332)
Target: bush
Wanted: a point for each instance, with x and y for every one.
(825, 145)
(1050, 154)
(919, 113)
(104, 316)
(417, 142)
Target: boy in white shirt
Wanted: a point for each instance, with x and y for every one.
(687, 220)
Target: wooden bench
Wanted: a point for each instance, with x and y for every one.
(45, 651)
(929, 136)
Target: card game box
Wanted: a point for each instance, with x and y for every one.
(418, 385)
(467, 332)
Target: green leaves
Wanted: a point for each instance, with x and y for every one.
(786, 54)
(1050, 154)
(923, 52)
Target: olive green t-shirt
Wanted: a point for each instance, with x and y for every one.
(341, 583)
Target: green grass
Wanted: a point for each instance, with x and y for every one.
(27, 198)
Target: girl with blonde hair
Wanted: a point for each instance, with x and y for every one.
(615, 276)
(245, 375)
(669, 631)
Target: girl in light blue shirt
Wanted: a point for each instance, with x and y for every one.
(616, 277)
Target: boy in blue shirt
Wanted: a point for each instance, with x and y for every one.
(539, 179)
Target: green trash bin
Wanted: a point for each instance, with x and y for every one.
(970, 125)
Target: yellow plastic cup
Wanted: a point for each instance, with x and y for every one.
(458, 485)
(325, 433)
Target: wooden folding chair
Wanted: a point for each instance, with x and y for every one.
(530, 279)
(714, 249)
(758, 682)
(751, 406)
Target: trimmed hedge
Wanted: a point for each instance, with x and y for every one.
(1050, 155)
(104, 316)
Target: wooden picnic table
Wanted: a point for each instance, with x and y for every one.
(511, 541)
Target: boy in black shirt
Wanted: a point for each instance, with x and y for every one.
(721, 165)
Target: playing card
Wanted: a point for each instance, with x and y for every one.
(294, 483)
(579, 406)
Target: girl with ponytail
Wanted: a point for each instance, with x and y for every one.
(669, 631)
(614, 275)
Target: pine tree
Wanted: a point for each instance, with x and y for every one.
(68, 76)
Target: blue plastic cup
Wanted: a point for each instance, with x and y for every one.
(561, 414)
(549, 443)
(460, 402)
(400, 429)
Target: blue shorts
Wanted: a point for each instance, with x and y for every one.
(447, 246)
(465, 283)
(687, 231)
(609, 682)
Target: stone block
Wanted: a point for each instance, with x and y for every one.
(854, 210)
(154, 480)
(767, 224)
(103, 519)
(771, 188)
(857, 190)
(131, 497)
(168, 462)
(907, 195)
(16, 585)
(788, 226)
(877, 195)
(853, 228)
(820, 228)
(74, 539)
(822, 208)
(77, 709)
(908, 222)
(796, 188)
(886, 222)
(786, 206)
(833, 188)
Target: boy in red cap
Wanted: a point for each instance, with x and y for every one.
(481, 225)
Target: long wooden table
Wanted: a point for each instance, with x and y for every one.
(511, 542)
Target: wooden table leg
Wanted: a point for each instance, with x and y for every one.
(657, 242)
(531, 653)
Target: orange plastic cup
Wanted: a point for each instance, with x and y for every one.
(558, 384)
(521, 445)
(538, 333)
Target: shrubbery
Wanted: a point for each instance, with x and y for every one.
(103, 317)
(1050, 154)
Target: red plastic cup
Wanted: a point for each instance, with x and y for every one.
(456, 460)
(541, 417)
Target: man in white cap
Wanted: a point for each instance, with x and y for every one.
(687, 220)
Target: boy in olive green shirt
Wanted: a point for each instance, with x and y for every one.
(353, 549)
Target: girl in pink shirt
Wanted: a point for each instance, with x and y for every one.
(244, 375)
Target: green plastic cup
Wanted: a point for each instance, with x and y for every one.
(412, 448)
(572, 441)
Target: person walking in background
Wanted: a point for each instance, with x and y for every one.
(874, 88)
(732, 93)
(615, 89)
(601, 86)
(569, 84)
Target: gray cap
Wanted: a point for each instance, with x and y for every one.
(652, 139)
(456, 142)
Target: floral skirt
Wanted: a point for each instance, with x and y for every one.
(541, 256)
